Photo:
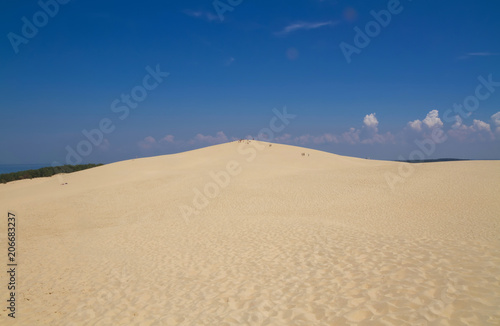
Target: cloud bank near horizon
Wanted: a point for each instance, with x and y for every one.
(368, 133)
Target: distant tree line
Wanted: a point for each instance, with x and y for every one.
(44, 172)
(434, 160)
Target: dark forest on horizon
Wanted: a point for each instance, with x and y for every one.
(44, 172)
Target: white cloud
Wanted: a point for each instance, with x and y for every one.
(351, 136)
(150, 142)
(219, 137)
(168, 139)
(496, 121)
(458, 123)
(200, 139)
(283, 138)
(380, 139)
(305, 26)
(371, 121)
(368, 134)
(322, 139)
(328, 138)
(432, 120)
(147, 142)
(304, 139)
(478, 131)
(415, 125)
(479, 125)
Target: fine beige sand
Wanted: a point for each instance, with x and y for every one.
(292, 239)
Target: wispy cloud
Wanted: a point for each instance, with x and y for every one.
(205, 15)
(478, 54)
(147, 142)
(482, 54)
(151, 143)
(219, 138)
(305, 26)
(168, 139)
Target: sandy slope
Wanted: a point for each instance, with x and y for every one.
(318, 239)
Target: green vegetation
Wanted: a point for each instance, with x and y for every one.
(435, 160)
(44, 172)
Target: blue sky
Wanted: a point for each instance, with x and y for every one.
(63, 65)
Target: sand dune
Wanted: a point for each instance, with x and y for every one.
(288, 239)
